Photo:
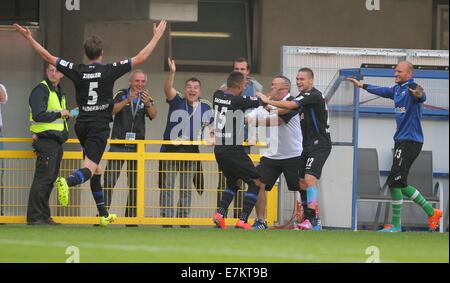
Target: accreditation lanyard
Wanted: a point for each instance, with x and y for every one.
(188, 120)
(134, 109)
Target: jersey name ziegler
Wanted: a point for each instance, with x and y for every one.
(92, 76)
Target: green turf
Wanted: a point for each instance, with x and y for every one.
(20, 243)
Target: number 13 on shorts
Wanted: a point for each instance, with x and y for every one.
(398, 153)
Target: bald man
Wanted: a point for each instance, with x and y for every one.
(408, 98)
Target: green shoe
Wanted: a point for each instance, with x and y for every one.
(104, 221)
(389, 228)
(63, 191)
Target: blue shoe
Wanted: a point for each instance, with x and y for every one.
(389, 228)
(260, 225)
(317, 224)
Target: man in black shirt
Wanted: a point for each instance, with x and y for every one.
(316, 140)
(131, 107)
(94, 95)
(233, 161)
(48, 125)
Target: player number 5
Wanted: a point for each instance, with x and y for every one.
(93, 96)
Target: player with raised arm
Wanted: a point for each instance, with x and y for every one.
(94, 85)
(408, 98)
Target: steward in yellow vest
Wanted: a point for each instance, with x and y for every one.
(46, 106)
(48, 125)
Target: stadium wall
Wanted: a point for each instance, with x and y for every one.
(284, 22)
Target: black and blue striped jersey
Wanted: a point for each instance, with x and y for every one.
(314, 118)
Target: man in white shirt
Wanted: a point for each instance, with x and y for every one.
(284, 137)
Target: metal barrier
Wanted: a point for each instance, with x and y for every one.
(149, 201)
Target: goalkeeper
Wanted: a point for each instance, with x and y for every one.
(408, 98)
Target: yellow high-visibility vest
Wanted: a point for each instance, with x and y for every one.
(53, 105)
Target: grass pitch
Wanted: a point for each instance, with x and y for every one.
(35, 244)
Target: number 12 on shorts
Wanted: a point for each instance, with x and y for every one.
(309, 162)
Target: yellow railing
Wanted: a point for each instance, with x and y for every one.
(154, 200)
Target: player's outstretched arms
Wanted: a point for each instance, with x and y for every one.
(386, 92)
(418, 92)
(355, 82)
(26, 33)
(291, 105)
(158, 31)
(264, 98)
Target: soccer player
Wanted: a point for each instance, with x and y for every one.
(316, 140)
(284, 146)
(252, 86)
(233, 161)
(408, 98)
(94, 84)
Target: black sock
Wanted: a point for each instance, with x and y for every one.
(227, 197)
(97, 193)
(78, 177)
(310, 214)
(249, 203)
(304, 200)
(250, 198)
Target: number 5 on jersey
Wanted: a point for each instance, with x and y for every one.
(93, 96)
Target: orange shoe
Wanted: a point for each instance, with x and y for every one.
(433, 220)
(219, 221)
(243, 225)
